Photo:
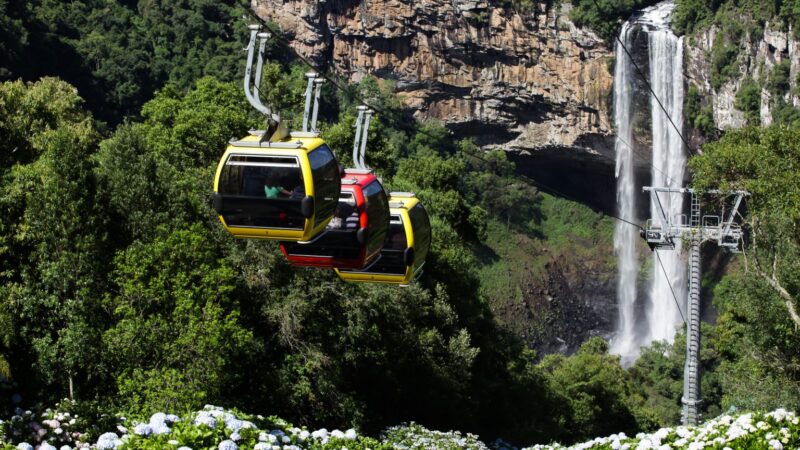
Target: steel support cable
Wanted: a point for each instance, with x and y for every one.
(349, 91)
(650, 88)
(669, 282)
(380, 109)
(526, 179)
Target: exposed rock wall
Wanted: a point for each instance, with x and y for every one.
(756, 60)
(526, 82)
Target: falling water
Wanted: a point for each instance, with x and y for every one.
(625, 342)
(669, 164)
(661, 313)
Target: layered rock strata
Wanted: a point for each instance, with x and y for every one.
(526, 82)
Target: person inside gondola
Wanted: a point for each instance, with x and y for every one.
(275, 190)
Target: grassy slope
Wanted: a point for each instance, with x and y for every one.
(567, 232)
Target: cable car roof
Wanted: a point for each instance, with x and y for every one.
(406, 200)
(291, 142)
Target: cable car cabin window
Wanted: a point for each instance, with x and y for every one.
(339, 239)
(327, 183)
(391, 261)
(422, 230)
(377, 213)
(262, 192)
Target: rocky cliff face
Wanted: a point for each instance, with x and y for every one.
(530, 83)
(756, 60)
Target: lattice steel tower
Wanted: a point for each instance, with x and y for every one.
(661, 233)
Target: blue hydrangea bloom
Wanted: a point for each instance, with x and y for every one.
(65, 447)
(204, 418)
(228, 444)
(143, 429)
(235, 436)
(46, 446)
(108, 441)
(172, 418)
(233, 424)
(262, 446)
(161, 429)
(24, 446)
(184, 448)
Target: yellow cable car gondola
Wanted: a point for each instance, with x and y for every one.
(284, 190)
(274, 184)
(407, 242)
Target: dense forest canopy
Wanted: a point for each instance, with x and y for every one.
(119, 286)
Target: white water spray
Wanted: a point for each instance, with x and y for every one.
(661, 313)
(625, 236)
(669, 161)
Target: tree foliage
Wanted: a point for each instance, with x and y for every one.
(759, 319)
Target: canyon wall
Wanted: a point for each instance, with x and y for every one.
(755, 60)
(529, 82)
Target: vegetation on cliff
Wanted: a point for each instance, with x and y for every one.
(119, 286)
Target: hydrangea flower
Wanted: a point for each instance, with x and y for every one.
(46, 446)
(108, 441)
(143, 429)
(228, 444)
(24, 446)
(204, 418)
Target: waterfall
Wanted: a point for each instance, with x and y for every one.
(625, 236)
(669, 161)
(660, 312)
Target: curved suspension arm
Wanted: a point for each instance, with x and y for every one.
(367, 119)
(359, 119)
(248, 91)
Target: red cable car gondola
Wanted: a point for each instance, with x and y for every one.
(355, 235)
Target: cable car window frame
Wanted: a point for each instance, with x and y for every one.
(324, 206)
(243, 160)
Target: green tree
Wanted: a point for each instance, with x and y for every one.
(596, 389)
(759, 308)
(177, 341)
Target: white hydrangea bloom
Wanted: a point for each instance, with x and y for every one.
(24, 446)
(108, 441)
(143, 429)
(228, 444)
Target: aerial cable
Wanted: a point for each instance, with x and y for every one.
(347, 90)
(669, 282)
(358, 156)
(650, 88)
